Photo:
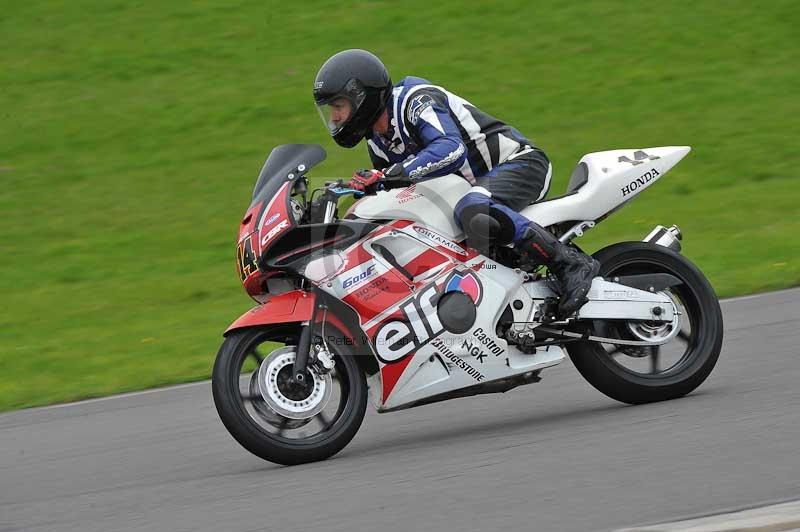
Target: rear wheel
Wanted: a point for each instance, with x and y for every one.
(646, 374)
(272, 417)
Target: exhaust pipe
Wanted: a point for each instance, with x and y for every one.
(669, 238)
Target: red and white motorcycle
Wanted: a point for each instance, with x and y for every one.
(389, 302)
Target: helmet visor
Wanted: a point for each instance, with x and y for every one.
(336, 112)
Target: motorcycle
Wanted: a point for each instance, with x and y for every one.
(388, 303)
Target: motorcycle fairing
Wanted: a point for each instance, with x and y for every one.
(284, 166)
(430, 203)
(435, 361)
(384, 268)
(395, 301)
(269, 215)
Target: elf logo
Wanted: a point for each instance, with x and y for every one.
(397, 338)
(419, 323)
(466, 282)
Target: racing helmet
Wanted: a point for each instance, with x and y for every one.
(351, 91)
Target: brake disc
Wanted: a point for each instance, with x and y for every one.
(285, 399)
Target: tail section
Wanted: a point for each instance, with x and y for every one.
(604, 181)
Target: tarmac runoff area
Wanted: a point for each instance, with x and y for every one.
(783, 517)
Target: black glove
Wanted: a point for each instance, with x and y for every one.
(396, 171)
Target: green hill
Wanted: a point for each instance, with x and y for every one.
(131, 134)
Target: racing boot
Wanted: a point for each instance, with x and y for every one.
(573, 269)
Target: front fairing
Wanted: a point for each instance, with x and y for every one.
(270, 215)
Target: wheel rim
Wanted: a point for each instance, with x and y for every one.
(258, 390)
(657, 363)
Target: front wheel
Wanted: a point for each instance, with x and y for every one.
(634, 374)
(274, 418)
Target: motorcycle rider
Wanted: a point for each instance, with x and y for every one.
(416, 130)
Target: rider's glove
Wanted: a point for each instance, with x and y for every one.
(364, 178)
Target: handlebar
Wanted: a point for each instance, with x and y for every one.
(387, 184)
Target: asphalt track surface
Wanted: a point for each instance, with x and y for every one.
(552, 456)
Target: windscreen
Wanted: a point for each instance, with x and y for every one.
(282, 161)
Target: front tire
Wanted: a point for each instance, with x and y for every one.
(268, 434)
(604, 367)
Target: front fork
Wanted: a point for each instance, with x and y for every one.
(302, 357)
(303, 347)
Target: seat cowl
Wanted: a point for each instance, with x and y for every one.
(579, 177)
(604, 181)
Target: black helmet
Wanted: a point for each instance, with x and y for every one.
(351, 91)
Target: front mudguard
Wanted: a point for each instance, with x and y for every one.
(289, 307)
(296, 307)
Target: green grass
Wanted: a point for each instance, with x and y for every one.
(131, 134)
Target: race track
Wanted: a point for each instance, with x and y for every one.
(553, 456)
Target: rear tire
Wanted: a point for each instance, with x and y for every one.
(253, 435)
(702, 311)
